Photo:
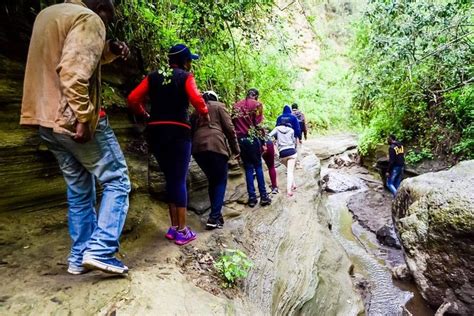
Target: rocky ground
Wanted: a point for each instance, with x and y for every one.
(295, 270)
(362, 223)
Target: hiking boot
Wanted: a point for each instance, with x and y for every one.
(275, 191)
(75, 270)
(265, 201)
(212, 224)
(220, 223)
(184, 236)
(252, 202)
(171, 234)
(107, 265)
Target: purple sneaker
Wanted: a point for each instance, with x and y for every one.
(185, 236)
(171, 234)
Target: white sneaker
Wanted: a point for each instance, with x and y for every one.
(75, 270)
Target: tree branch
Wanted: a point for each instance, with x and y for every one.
(459, 85)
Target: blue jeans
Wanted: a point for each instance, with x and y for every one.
(251, 154)
(92, 236)
(394, 179)
(216, 167)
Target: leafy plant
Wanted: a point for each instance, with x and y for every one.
(233, 265)
(413, 157)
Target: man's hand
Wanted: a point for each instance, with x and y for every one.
(301, 141)
(83, 133)
(119, 48)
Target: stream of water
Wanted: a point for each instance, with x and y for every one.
(385, 297)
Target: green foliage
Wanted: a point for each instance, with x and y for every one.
(414, 157)
(233, 265)
(415, 69)
(250, 43)
(111, 97)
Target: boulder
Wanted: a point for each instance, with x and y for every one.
(336, 182)
(434, 216)
(386, 236)
(371, 209)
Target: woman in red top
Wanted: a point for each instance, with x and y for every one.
(169, 130)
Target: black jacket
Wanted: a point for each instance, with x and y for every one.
(396, 154)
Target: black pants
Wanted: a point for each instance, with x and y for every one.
(215, 166)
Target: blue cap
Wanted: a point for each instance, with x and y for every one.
(182, 51)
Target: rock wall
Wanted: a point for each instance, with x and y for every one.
(434, 216)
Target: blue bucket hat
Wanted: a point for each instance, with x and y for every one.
(181, 50)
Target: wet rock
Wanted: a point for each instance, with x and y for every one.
(336, 182)
(434, 216)
(401, 272)
(386, 236)
(371, 209)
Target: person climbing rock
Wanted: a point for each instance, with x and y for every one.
(286, 143)
(268, 155)
(169, 130)
(211, 152)
(288, 117)
(301, 120)
(247, 115)
(396, 164)
(62, 95)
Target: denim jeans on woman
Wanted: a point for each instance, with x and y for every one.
(93, 235)
(251, 155)
(215, 167)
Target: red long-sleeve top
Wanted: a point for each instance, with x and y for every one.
(137, 97)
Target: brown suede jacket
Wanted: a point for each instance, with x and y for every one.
(62, 77)
(216, 136)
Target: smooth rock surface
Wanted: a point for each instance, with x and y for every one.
(337, 182)
(327, 146)
(434, 216)
(362, 205)
(296, 270)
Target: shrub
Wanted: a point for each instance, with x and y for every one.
(232, 266)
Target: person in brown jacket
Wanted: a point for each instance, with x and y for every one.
(211, 142)
(62, 95)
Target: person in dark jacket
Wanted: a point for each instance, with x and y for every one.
(396, 164)
(287, 116)
(301, 119)
(169, 130)
(211, 151)
(247, 117)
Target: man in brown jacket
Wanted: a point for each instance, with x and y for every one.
(62, 95)
(211, 142)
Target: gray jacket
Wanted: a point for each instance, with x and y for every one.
(285, 137)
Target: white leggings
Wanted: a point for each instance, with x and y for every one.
(290, 163)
